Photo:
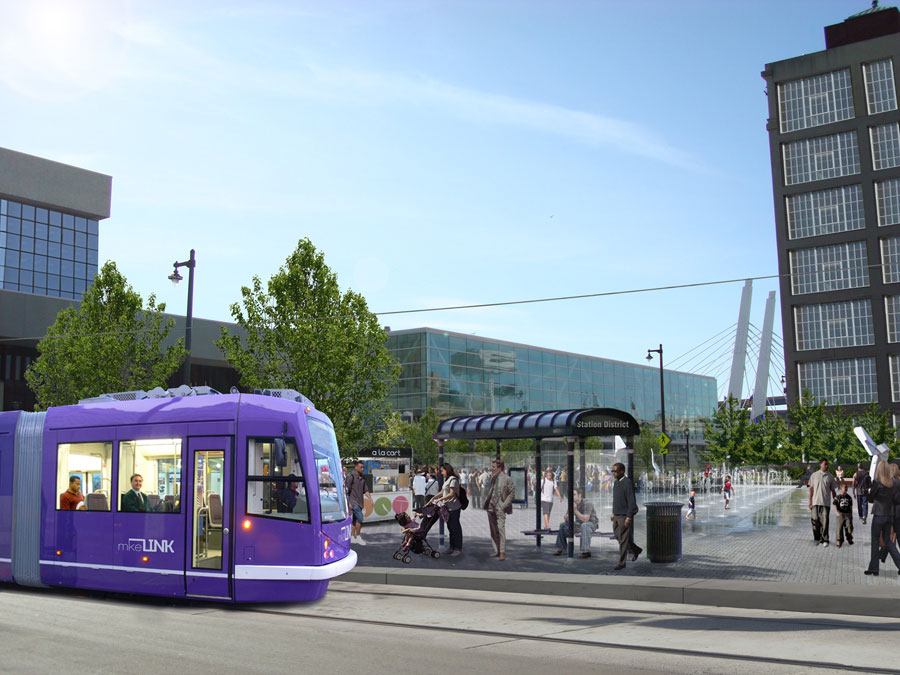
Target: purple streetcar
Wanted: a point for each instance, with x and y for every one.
(183, 492)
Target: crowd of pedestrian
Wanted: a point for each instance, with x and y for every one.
(881, 491)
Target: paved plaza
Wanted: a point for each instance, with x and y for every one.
(766, 536)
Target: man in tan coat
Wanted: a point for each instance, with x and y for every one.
(498, 504)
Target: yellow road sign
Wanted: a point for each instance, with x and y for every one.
(664, 440)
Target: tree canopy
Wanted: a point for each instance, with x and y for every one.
(303, 333)
(111, 342)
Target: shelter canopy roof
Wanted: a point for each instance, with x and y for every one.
(541, 424)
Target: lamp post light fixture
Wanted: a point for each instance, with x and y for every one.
(175, 277)
(662, 391)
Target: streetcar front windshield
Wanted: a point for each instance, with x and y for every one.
(332, 500)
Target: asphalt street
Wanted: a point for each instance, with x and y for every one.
(374, 629)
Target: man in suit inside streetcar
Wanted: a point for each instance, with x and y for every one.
(134, 500)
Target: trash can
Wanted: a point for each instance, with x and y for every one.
(663, 531)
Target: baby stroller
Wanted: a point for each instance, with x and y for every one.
(414, 540)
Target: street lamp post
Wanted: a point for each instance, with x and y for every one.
(175, 277)
(662, 391)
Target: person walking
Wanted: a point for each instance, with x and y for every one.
(821, 494)
(624, 509)
(884, 494)
(862, 481)
(431, 485)
(843, 504)
(498, 504)
(356, 493)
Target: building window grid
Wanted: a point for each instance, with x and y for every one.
(812, 159)
(813, 101)
(881, 95)
(885, 141)
(46, 252)
(834, 324)
(829, 268)
(890, 260)
(892, 315)
(825, 212)
(887, 200)
(894, 361)
(841, 382)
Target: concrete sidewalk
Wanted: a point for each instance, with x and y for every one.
(766, 595)
(759, 556)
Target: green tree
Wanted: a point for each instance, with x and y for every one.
(304, 333)
(808, 427)
(767, 441)
(646, 446)
(111, 342)
(417, 435)
(727, 432)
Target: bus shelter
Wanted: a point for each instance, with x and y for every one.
(573, 426)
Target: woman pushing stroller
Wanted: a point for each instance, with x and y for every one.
(447, 502)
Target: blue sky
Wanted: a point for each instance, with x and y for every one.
(439, 153)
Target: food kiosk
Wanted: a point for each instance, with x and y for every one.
(387, 475)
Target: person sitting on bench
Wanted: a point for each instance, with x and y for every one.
(586, 517)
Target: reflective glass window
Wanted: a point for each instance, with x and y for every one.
(834, 324)
(892, 314)
(276, 484)
(54, 233)
(890, 260)
(83, 476)
(885, 145)
(150, 475)
(68, 221)
(881, 95)
(816, 100)
(40, 247)
(829, 268)
(55, 218)
(40, 215)
(844, 382)
(27, 212)
(27, 244)
(40, 230)
(27, 228)
(68, 237)
(819, 158)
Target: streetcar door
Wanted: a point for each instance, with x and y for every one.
(208, 507)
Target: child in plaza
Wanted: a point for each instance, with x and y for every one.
(726, 491)
(844, 504)
(692, 508)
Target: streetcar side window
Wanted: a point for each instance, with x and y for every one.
(83, 476)
(276, 486)
(156, 463)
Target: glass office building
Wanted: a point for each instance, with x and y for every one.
(458, 374)
(46, 251)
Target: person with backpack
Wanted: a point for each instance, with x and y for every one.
(452, 497)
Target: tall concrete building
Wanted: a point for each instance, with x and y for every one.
(834, 136)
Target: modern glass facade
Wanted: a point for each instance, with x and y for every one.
(46, 251)
(457, 374)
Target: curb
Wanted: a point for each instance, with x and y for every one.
(766, 595)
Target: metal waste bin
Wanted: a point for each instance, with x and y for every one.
(663, 531)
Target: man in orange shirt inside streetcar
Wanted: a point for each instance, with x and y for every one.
(71, 498)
